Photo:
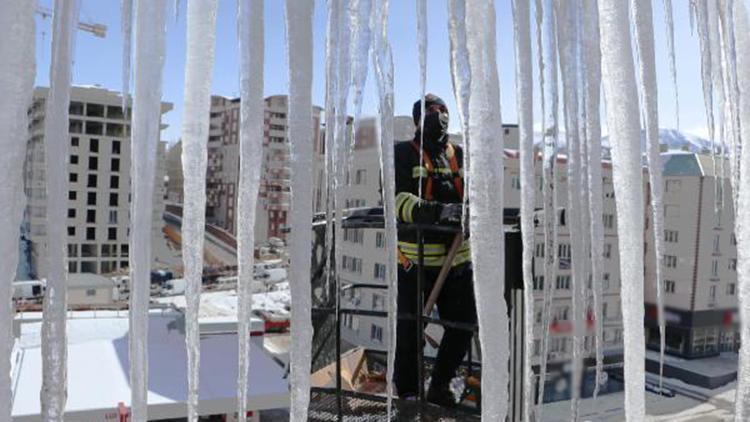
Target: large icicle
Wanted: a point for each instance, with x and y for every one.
(717, 84)
(126, 10)
(17, 71)
(548, 73)
(149, 61)
(460, 77)
(488, 241)
(250, 17)
(592, 84)
(742, 219)
(299, 56)
(360, 50)
(201, 25)
(422, 47)
(644, 36)
(383, 64)
(618, 76)
(669, 24)
(701, 18)
(54, 338)
(524, 103)
(567, 38)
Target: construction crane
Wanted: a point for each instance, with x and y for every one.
(97, 29)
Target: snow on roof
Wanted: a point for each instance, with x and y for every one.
(224, 303)
(88, 280)
(681, 164)
(98, 368)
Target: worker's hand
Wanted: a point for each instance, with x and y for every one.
(450, 214)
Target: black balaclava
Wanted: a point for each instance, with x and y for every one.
(435, 123)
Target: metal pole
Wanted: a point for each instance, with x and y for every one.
(420, 325)
(337, 284)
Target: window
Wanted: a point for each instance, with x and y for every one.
(115, 164)
(88, 250)
(94, 128)
(114, 112)
(91, 198)
(90, 292)
(730, 289)
(733, 264)
(561, 313)
(92, 181)
(734, 239)
(71, 231)
(72, 267)
(563, 250)
(91, 216)
(670, 261)
(712, 293)
(604, 310)
(109, 250)
(116, 130)
(562, 282)
(352, 264)
(74, 141)
(607, 250)
(669, 286)
(75, 126)
(72, 195)
(73, 159)
(360, 177)
(609, 221)
(379, 271)
(605, 281)
(112, 233)
(673, 186)
(376, 333)
(124, 250)
(714, 268)
(114, 182)
(671, 236)
(354, 235)
(377, 302)
(115, 147)
(93, 163)
(539, 250)
(75, 108)
(112, 216)
(73, 177)
(515, 182)
(71, 213)
(88, 267)
(112, 199)
(380, 240)
(93, 145)
(94, 110)
(90, 233)
(717, 243)
(539, 282)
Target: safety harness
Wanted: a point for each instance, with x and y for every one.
(427, 191)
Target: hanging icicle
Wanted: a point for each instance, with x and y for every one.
(383, 65)
(299, 55)
(149, 62)
(17, 72)
(548, 73)
(422, 47)
(201, 28)
(461, 80)
(488, 243)
(592, 68)
(669, 24)
(524, 103)
(644, 38)
(126, 26)
(252, 106)
(618, 76)
(568, 42)
(360, 48)
(54, 337)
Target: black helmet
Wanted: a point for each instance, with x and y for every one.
(429, 100)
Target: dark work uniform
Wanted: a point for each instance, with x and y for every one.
(456, 301)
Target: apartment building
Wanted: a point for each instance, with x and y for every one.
(698, 264)
(99, 192)
(223, 166)
(175, 177)
(363, 260)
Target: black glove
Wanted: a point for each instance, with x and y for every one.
(450, 214)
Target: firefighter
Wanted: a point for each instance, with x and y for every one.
(442, 188)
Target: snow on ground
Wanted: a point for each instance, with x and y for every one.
(224, 303)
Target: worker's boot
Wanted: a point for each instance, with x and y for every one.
(440, 394)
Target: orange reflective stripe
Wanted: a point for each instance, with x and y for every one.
(453, 162)
(405, 262)
(456, 171)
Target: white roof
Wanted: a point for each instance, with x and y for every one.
(98, 368)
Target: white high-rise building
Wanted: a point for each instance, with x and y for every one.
(699, 262)
(99, 193)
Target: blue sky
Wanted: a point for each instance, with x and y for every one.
(98, 61)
